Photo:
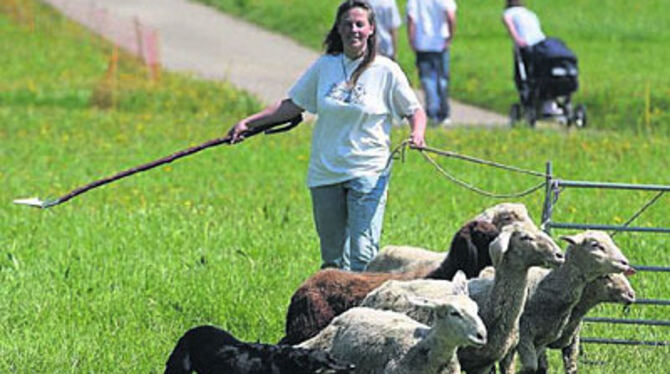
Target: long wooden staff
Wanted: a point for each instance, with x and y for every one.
(271, 128)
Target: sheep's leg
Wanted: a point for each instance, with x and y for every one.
(571, 353)
(507, 363)
(489, 369)
(528, 355)
(542, 364)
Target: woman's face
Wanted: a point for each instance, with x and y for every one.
(355, 29)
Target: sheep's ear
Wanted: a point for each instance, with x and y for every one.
(460, 283)
(487, 272)
(571, 239)
(498, 247)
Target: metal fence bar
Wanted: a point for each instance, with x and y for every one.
(561, 225)
(646, 322)
(624, 342)
(553, 188)
(652, 302)
(656, 269)
(614, 186)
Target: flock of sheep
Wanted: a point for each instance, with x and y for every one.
(504, 288)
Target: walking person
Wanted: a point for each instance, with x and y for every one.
(388, 23)
(525, 30)
(355, 94)
(431, 25)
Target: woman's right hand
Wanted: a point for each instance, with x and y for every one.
(236, 132)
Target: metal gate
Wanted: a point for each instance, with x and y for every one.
(553, 187)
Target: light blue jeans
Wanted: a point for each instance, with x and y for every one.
(433, 70)
(348, 218)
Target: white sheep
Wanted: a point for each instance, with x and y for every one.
(504, 214)
(400, 258)
(612, 288)
(404, 258)
(397, 295)
(386, 342)
(500, 299)
(589, 255)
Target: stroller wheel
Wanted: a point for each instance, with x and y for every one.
(579, 118)
(514, 114)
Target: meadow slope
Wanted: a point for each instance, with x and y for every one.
(107, 282)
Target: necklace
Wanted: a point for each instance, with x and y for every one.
(344, 70)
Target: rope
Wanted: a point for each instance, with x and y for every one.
(402, 147)
(479, 190)
(483, 162)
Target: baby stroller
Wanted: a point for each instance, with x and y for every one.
(546, 76)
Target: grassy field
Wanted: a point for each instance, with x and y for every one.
(107, 282)
(625, 82)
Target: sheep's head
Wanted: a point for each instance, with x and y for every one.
(456, 316)
(505, 214)
(596, 254)
(612, 288)
(527, 247)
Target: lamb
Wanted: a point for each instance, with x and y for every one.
(210, 350)
(589, 255)
(465, 251)
(330, 292)
(500, 300)
(386, 342)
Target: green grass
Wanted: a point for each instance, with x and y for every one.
(107, 282)
(624, 78)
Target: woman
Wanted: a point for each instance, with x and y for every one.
(355, 94)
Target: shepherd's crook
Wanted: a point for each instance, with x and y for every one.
(271, 128)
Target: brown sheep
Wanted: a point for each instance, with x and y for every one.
(330, 292)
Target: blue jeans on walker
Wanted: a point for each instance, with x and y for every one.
(348, 218)
(434, 75)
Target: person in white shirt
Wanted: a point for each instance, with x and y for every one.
(356, 95)
(388, 21)
(524, 28)
(431, 25)
(522, 24)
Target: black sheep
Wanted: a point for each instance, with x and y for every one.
(210, 350)
(469, 251)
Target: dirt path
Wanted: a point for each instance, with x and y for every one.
(198, 39)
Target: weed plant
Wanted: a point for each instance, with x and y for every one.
(624, 80)
(107, 282)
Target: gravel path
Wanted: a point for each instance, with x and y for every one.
(198, 39)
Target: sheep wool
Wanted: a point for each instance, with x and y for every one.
(589, 255)
(385, 342)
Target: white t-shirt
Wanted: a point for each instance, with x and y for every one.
(388, 18)
(526, 23)
(431, 23)
(352, 133)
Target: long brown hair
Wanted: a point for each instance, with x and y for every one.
(333, 42)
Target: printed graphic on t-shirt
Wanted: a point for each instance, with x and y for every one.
(345, 93)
